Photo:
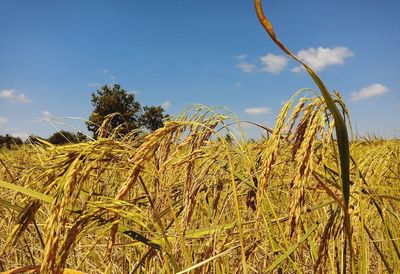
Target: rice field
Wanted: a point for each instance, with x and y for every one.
(188, 199)
(197, 196)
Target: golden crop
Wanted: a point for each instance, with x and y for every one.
(187, 199)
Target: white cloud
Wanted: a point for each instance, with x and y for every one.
(246, 67)
(256, 111)
(46, 115)
(243, 65)
(317, 58)
(3, 120)
(367, 92)
(166, 105)
(107, 73)
(12, 95)
(274, 63)
(320, 58)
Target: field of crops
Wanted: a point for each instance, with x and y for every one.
(196, 196)
(186, 198)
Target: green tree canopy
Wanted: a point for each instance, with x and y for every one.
(152, 118)
(65, 137)
(113, 99)
(8, 141)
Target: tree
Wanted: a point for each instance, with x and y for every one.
(152, 118)
(8, 141)
(65, 137)
(113, 99)
(109, 100)
(80, 137)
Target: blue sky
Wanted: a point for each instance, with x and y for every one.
(54, 54)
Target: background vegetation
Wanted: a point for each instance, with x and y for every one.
(119, 110)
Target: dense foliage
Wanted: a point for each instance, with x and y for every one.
(64, 137)
(9, 141)
(152, 118)
(119, 110)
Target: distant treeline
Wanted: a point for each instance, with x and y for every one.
(58, 138)
(112, 106)
(8, 141)
(64, 137)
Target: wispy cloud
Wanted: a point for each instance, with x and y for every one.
(46, 115)
(368, 92)
(246, 67)
(3, 120)
(258, 110)
(243, 64)
(166, 105)
(273, 63)
(13, 96)
(317, 58)
(107, 73)
(320, 58)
